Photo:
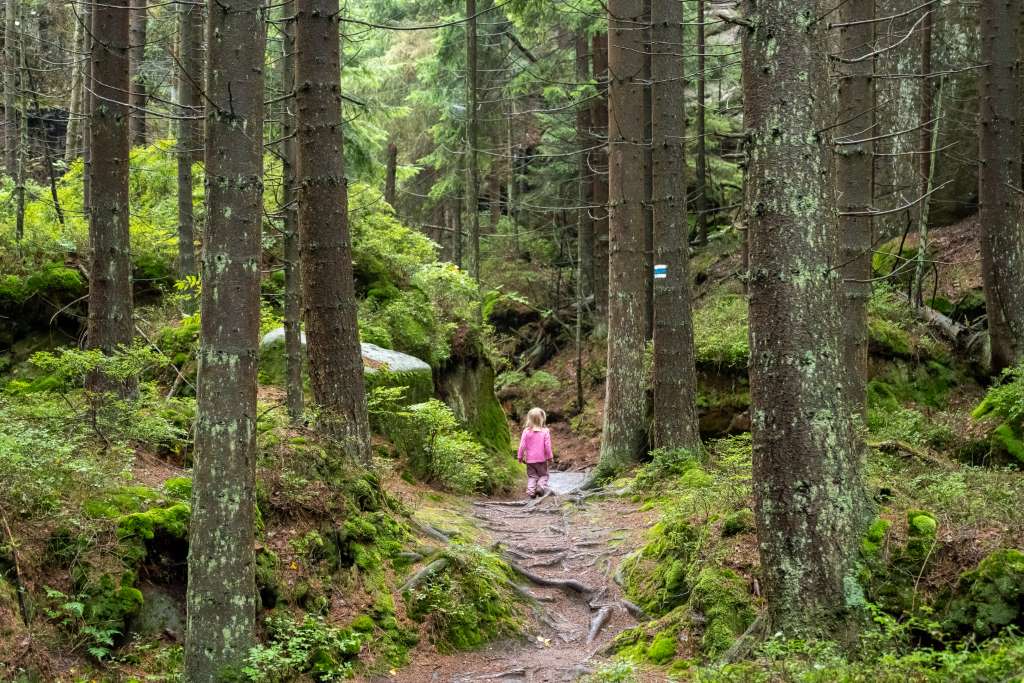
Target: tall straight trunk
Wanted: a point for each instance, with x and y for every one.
(675, 378)
(136, 58)
(391, 169)
(191, 74)
(599, 173)
(472, 139)
(11, 137)
(702, 143)
(648, 178)
(457, 234)
(584, 140)
(329, 298)
(806, 459)
(292, 265)
(221, 596)
(23, 148)
(854, 186)
(1002, 207)
(110, 276)
(76, 110)
(494, 197)
(189, 44)
(623, 436)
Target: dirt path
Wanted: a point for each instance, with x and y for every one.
(561, 537)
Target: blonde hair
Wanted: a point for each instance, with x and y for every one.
(536, 418)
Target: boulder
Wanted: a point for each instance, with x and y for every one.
(381, 367)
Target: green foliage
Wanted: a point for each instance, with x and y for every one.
(46, 462)
(96, 616)
(428, 437)
(907, 424)
(309, 647)
(720, 332)
(1005, 401)
(71, 366)
(470, 602)
(53, 280)
(665, 467)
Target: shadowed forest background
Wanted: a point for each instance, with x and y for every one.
(279, 283)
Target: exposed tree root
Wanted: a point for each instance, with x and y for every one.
(569, 584)
(635, 610)
(425, 573)
(598, 622)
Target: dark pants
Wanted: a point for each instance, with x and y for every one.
(537, 477)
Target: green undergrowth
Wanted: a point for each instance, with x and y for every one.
(940, 567)
(1003, 405)
(469, 601)
(96, 543)
(685, 576)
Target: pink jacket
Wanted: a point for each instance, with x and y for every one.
(535, 446)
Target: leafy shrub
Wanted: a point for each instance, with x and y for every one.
(1005, 401)
(720, 332)
(428, 436)
(45, 461)
(308, 647)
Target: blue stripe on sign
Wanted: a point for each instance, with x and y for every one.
(660, 271)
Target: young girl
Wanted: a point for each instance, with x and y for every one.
(535, 451)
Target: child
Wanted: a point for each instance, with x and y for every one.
(535, 451)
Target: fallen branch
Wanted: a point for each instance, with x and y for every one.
(598, 622)
(893, 446)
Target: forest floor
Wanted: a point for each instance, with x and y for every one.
(564, 536)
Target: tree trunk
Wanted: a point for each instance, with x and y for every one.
(191, 78)
(11, 137)
(648, 178)
(623, 438)
(292, 267)
(599, 173)
(854, 185)
(457, 234)
(136, 59)
(675, 379)
(389, 174)
(494, 201)
(110, 276)
(76, 110)
(1002, 207)
(221, 595)
(335, 358)
(702, 143)
(472, 139)
(806, 459)
(190, 17)
(584, 140)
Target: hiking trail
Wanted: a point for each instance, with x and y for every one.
(573, 542)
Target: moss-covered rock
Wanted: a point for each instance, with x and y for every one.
(656, 576)
(722, 598)
(381, 367)
(739, 522)
(990, 598)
